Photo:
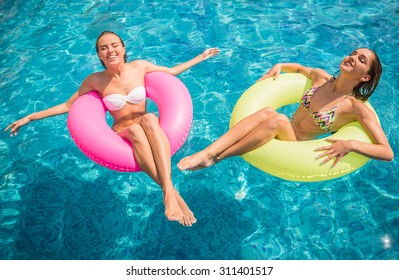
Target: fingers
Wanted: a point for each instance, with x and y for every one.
(337, 159)
(329, 156)
(326, 147)
(275, 76)
(327, 159)
(268, 75)
(331, 140)
(210, 52)
(14, 129)
(7, 128)
(214, 51)
(323, 148)
(12, 126)
(337, 150)
(13, 132)
(262, 78)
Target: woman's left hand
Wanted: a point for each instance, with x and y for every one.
(210, 52)
(338, 149)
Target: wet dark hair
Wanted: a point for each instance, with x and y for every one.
(105, 33)
(365, 89)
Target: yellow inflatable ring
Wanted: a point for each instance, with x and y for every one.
(295, 161)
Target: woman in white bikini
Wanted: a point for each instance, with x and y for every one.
(121, 85)
(327, 106)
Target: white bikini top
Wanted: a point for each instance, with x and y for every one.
(116, 101)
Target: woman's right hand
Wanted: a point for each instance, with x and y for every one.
(273, 72)
(16, 125)
(210, 52)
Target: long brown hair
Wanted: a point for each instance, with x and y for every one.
(110, 32)
(365, 89)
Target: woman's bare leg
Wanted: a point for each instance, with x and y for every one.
(154, 158)
(145, 159)
(210, 154)
(278, 126)
(161, 150)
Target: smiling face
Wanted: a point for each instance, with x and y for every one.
(110, 49)
(364, 66)
(358, 64)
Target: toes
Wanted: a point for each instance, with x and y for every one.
(189, 221)
(186, 223)
(174, 218)
(182, 164)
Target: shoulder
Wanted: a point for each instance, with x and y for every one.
(95, 77)
(319, 76)
(360, 110)
(92, 82)
(139, 63)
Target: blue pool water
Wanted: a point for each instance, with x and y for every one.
(57, 204)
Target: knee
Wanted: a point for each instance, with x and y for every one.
(282, 119)
(266, 113)
(277, 121)
(136, 133)
(149, 121)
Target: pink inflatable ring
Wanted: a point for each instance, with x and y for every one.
(95, 138)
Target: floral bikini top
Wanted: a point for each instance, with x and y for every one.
(323, 119)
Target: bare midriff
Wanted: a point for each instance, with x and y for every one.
(304, 126)
(128, 115)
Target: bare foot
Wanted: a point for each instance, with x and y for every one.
(196, 161)
(188, 216)
(173, 212)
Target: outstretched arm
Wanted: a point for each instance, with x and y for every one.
(379, 149)
(53, 111)
(176, 70)
(56, 110)
(315, 74)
